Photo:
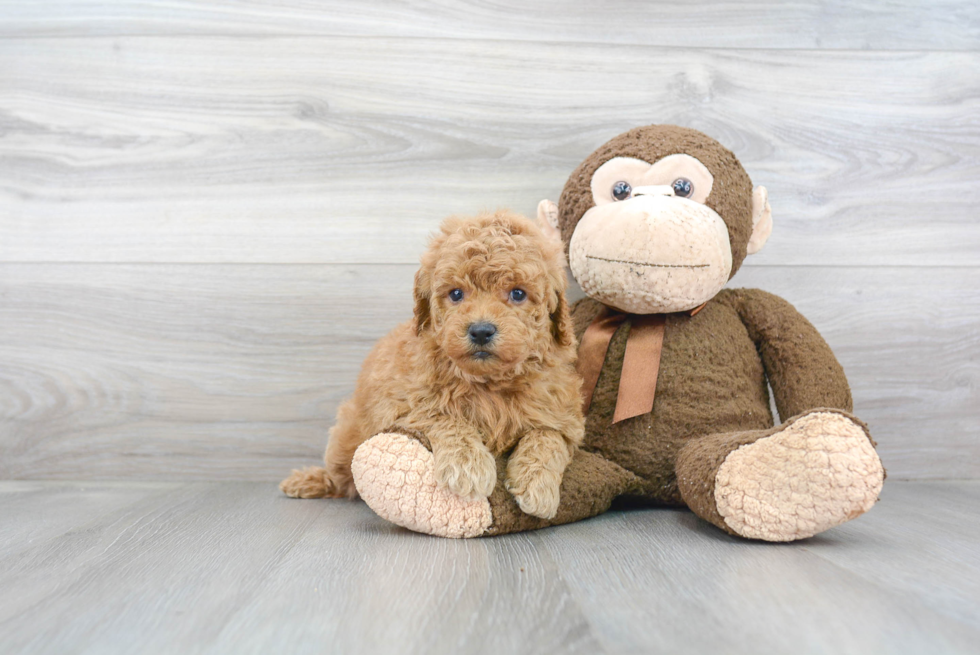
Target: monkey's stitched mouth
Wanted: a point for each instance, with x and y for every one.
(626, 261)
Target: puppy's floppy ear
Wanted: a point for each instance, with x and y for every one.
(561, 322)
(423, 315)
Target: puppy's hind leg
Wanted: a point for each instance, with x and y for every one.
(305, 483)
(333, 479)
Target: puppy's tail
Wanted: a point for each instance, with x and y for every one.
(309, 482)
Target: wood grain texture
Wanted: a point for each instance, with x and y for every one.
(909, 341)
(914, 554)
(234, 372)
(865, 25)
(165, 371)
(209, 211)
(349, 150)
(711, 592)
(238, 568)
(35, 514)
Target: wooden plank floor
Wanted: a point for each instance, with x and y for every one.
(238, 568)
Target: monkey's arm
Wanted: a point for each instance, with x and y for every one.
(802, 370)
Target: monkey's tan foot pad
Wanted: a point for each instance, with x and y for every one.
(395, 475)
(817, 473)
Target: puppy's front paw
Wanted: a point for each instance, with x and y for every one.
(535, 488)
(468, 470)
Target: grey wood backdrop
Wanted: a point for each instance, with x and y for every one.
(209, 211)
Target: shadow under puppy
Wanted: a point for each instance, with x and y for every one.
(485, 369)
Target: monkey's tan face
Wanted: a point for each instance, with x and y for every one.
(650, 245)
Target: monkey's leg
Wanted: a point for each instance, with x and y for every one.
(395, 475)
(588, 487)
(813, 472)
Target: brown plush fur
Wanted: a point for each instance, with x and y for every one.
(713, 380)
(423, 377)
(711, 398)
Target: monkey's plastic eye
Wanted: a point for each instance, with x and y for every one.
(456, 295)
(683, 187)
(518, 295)
(622, 190)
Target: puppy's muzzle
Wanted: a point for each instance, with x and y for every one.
(481, 333)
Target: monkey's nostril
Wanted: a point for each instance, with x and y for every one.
(481, 333)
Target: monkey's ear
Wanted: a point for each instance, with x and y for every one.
(761, 220)
(421, 292)
(548, 220)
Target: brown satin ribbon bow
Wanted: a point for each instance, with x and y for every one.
(641, 362)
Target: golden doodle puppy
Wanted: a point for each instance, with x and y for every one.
(486, 368)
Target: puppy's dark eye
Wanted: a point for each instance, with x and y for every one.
(683, 187)
(622, 190)
(456, 295)
(518, 295)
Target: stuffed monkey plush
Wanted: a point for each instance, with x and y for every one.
(677, 368)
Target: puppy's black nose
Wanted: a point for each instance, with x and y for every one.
(481, 333)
